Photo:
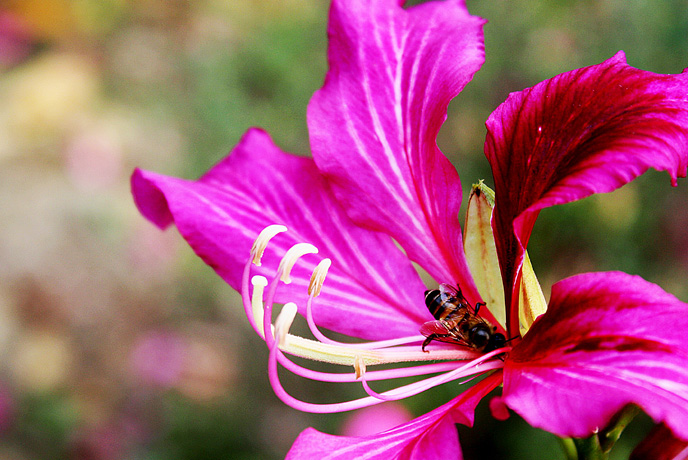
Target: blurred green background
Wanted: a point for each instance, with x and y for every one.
(116, 341)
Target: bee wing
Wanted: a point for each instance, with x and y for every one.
(433, 327)
(447, 291)
(440, 329)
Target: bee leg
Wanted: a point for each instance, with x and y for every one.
(430, 338)
(427, 341)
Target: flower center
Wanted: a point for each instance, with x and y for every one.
(258, 296)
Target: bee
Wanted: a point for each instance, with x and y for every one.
(458, 322)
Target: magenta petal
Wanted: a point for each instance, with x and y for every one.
(374, 124)
(221, 214)
(375, 419)
(607, 340)
(429, 437)
(587, 131)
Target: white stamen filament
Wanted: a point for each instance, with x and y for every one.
(345, 355)
(284, 322)
(259, 282)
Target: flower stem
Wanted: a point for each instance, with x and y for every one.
(590, 448)
(569, 448)
(598, 446)
(611, 434)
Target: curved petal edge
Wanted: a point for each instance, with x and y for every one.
(373, 125)
(257, 185)
(431, 436)
(587, 131)
(607, 340)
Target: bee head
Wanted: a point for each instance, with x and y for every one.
(496, 341)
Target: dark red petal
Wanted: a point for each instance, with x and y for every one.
(660, 444)
(587, 131)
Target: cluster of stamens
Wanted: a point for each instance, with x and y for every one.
(258, 296)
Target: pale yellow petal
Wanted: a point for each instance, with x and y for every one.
(532, 301)
(481, 253)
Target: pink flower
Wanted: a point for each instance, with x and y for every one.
(378, 178)
(15, 39)
(158, 358)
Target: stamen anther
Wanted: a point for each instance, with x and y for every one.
(262, 240)
(318, 277)
(293, 254)
(359, 366)
(259, 282)
(284, 322)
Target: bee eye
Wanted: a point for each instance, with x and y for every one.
(496, 341)
(480, 335)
